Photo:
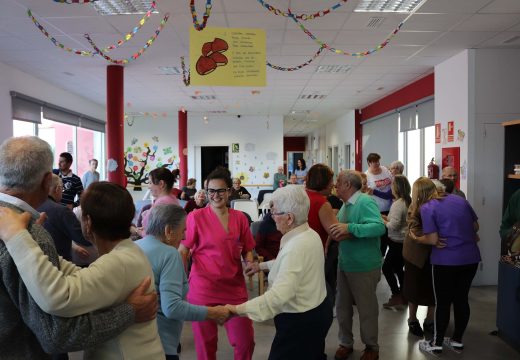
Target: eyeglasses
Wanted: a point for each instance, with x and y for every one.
(212, 192)
(278, 213)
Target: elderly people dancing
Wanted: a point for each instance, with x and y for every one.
(450, 224)
(218, 238)
(296, 297)
(165, 230)
(67, 291)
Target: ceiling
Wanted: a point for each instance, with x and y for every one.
(439, 30)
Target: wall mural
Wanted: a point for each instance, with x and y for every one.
(252, 166)
(143, 157)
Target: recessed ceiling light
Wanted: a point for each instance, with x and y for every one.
(401, 6)
(170, 70)
(123, 7)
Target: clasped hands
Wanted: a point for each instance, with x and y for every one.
(221, 313)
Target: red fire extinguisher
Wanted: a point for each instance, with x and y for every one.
(433, 170)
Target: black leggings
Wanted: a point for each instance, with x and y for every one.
(393, 266)
(451, 286)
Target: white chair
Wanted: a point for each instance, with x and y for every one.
(266, 200)
(248, 206)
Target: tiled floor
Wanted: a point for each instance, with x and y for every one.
(395, 342)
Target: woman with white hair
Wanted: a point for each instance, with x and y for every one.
(296, 297)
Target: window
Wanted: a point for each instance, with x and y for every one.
(23, 128)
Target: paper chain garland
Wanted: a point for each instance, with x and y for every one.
(205, 17)
(74, 1)
(185, 79)
(137, 54)
(134, 31)
(276, 67)
(342, 52)
(303, 17)
(101, 52)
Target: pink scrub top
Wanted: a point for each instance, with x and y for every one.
(163, 200)
(216, 275)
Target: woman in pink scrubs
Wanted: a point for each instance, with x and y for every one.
(218, 238)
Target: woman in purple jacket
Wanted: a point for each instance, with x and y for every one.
(450, 224)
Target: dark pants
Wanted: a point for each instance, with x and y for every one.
(393, 266)
(384, 238)
(302, 335)
(64, 356)
(451, 286)
(172, 357)
(331, 271)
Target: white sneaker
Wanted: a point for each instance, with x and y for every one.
(453, 345)
(427, 347)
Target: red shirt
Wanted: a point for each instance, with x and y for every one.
(317, 201)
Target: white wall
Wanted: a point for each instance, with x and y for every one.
(478, 89)
(260, 139)
(340, 133)
(12, 79)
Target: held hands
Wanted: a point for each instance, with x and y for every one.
(81, 251)
(251, 268)
(145, 304)
(339, 231)
(220, 314)
(12, 222)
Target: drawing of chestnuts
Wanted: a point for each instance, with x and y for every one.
(212, 56)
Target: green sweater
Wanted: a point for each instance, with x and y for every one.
(511, 215)
(361, 253)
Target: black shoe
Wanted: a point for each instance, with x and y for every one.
(428, 327)
(415, 328)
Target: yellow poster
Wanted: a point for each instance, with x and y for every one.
(227, 57)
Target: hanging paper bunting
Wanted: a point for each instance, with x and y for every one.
(137, 54)
(299, 66)
(205, 17)
(56, 42)
(134, 31)
(185, 79)
(342, 52)
(74, 1)
(303, 17)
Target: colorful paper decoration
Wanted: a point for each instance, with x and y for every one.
(342, 52)
(185, 78)
(205, 17)
(56, 42)
(134, 31)
(303, 17)
(74, 1)
(137, 54)
(276, 67)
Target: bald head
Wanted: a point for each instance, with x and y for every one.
(449, 172)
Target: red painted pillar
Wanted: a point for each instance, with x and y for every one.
(358, 134)
(115, 124)
(183, 147)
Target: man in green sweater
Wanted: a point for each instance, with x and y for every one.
(358, 231)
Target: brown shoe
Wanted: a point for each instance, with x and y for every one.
(343, 353)
(369, 355)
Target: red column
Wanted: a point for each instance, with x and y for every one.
(183, 147)
(358, 134)
(115, 124)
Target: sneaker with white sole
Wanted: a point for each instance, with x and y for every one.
(453, 345)
(430, 348)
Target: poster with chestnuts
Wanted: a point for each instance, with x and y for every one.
(228, 57)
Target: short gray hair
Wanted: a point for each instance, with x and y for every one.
(162, 215)
(56, 180)
(398, 165)
(23, 163)
(292, 199)
(353, 177)
(441, 188)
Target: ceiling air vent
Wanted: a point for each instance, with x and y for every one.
(375, 22)
(217, 112)
(312, 97)
(122, 7)
(203, 97)
(333, 69)
(514, 39)
(170, 70)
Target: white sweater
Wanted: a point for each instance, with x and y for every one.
(71, 291)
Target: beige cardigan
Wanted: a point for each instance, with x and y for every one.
(413, 252)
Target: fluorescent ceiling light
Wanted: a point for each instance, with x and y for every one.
(122, 7)
(401, 6)
(170, 70)
(333, 69)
